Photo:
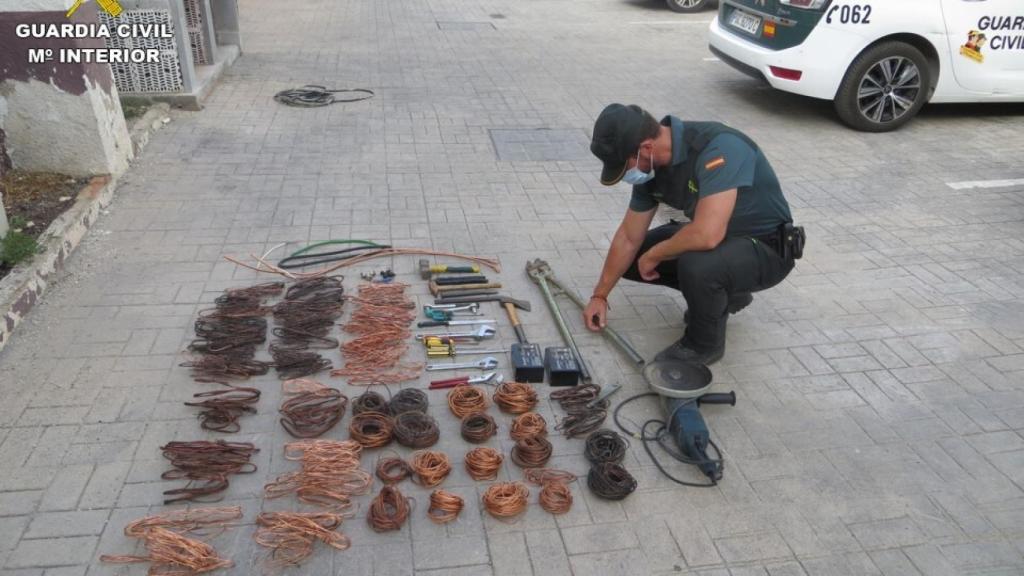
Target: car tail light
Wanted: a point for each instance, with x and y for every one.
(786, 73)
(805, 4)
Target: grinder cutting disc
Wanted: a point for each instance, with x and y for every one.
(678, 379)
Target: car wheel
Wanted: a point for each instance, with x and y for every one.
(884, 87)
(687, 6)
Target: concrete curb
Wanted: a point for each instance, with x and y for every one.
(22, 289)
(153, 120)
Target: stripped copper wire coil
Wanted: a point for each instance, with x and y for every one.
(168, 550)
(388, 510)
(555, 494)
(392, 469)
(532, 451)
(223, 408)
(478, 427)
(529, 424)
(506, 499)
(515, 397)
(444, 506)
(430, 468)
(310, 414)
(415, 429)
(371, 429)
(483, 463)
(291, 535)
(465, 400)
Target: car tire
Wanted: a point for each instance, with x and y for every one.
(884, 87)
(687, 6)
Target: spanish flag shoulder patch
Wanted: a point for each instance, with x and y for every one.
(715, 163)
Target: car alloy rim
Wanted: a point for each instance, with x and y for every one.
(889, 89)
(687, 3)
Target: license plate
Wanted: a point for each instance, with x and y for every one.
(746, 22)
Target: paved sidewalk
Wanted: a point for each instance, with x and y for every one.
(881, 386)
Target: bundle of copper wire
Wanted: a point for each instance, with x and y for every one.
(379, 252)
(370, 401)
(226, 336)
(381, 319)
(371, 429)
(610, 481)
(388, 510)
(309, 414)
(529, 424)
(444, 506)
(222, 368)
(555, 494)
(223, 408)
(206, 465)
(506, 499)
(416, 430)
(392, 469)
(483, 463)
(478, 427)
(169, 550)
(465, 400)
(430, 468)
(407, 400)
(329, 476)
(582, 417)
(293, 363)
(243, 302)
(515, 397)
(291, 535)
(532, 451)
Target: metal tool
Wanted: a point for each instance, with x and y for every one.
(520, 304)
(472, 308)
(470, 294)
(451, 350)
(539, 271)
(465, 380)
(488, 363)
(457, 280)
(426, 269)
(482, 333)
(440, 290)
(543, 269)
(436, 323)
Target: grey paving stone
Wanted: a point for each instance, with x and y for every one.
(52, 552)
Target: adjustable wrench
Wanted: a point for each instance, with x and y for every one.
(482, 333)
(488, 363)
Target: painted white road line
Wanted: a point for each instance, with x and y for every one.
(985, 184)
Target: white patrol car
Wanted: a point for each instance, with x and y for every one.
(879, 61)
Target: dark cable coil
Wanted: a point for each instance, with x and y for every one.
(369, 402)
(478, 427)
(605, 446)
(409, 400)
(416, 430)
(610, 481)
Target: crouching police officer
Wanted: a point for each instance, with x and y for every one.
(740, 238)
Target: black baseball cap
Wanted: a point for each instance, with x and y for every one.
(616, 138)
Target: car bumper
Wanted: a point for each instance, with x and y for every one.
(822, 67)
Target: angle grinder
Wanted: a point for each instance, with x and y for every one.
(683, 387)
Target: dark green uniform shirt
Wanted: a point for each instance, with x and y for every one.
(728, 161)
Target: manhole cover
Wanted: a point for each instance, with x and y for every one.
(540, 145)
(454, 25)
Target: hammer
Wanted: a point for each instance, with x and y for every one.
(439, 291)
(426, 269)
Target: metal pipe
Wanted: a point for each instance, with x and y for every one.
(614, 336)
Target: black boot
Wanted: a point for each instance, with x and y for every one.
(680, 351)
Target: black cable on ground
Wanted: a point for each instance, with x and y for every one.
(663, 438)
(312, 96)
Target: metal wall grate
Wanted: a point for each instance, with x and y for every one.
(164, 76)
(197, 39)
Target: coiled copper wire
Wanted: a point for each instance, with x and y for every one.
(392, 469)
(330, 474)
(206, 465)
(407, 400)
(532, 451)
(515, 397)
(430, 468)
(478, 427)
(444, 506)
(388, 510)
(529, 424)
(610, 481)
(223, 408)
(291, 535)
(310, 414)
(465, 400)
(416, 429)
(369, 401)
(169, 551)
(555, 494)
(371, 429)
(483, 463)
(506, 499)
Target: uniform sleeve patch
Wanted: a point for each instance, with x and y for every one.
(715, 163)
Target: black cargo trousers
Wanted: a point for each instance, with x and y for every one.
(707, 279)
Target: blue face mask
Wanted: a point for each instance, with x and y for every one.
(635, 176)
